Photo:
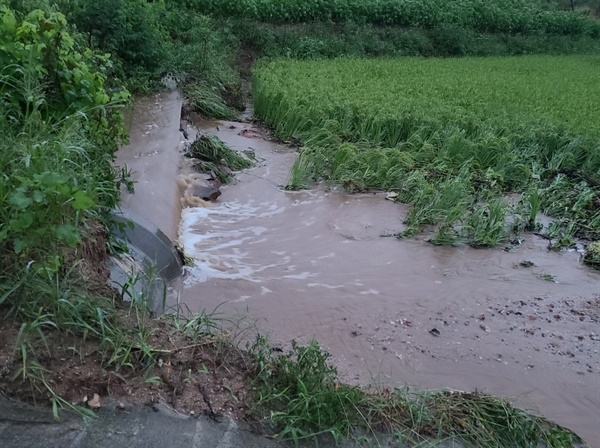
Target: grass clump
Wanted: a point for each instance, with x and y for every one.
(207, 102)
(216, 157)
(547, 277)
(302, 394)
(299, 392)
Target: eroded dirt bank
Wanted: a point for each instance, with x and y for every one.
(313, 264)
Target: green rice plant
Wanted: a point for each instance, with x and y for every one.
(308, 168)
(575, 201)
(211, 149)
(562, 233)
(499, 123)
(443, 203)
(214, 156)
(533, 203)
(486, 225)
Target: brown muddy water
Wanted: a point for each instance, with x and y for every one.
(313, 264)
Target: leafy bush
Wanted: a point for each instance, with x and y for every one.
(201, 57)
(60, 129)
(130, 29)
(320, 39)
(495, 16)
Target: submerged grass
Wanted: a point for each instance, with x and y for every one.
(451, 136)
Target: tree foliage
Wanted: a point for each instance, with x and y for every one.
(495, 16)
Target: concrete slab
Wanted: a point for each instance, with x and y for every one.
(154, 159)
(136, 427)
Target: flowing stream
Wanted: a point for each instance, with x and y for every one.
(393, 312)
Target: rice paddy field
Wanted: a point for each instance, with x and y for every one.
(452, 137)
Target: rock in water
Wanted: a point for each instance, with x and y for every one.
(204, 192)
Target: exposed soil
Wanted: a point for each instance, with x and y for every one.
(210, 377)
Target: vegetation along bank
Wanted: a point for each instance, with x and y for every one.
(69, 68)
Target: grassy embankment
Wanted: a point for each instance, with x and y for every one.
(62, 98)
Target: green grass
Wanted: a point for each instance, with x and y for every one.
(452, 136)
(300, 394)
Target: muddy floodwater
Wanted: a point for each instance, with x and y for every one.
(392, 312)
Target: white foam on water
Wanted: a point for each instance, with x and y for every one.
(369, 292)
(323, 285)
(214, 237)
(301, 276)
(263, 240)
(330, 255)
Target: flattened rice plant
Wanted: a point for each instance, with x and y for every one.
(452, 136)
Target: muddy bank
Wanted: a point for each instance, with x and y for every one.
(313, 264)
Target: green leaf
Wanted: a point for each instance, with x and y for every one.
(67, 233)
(20, 199)
(52, 264)
(38, 196)
(22, 222)
(50, 179)
(81, 201)
(18, 245)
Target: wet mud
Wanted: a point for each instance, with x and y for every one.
(395, 312)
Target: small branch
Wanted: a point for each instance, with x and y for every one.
(178, 349)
